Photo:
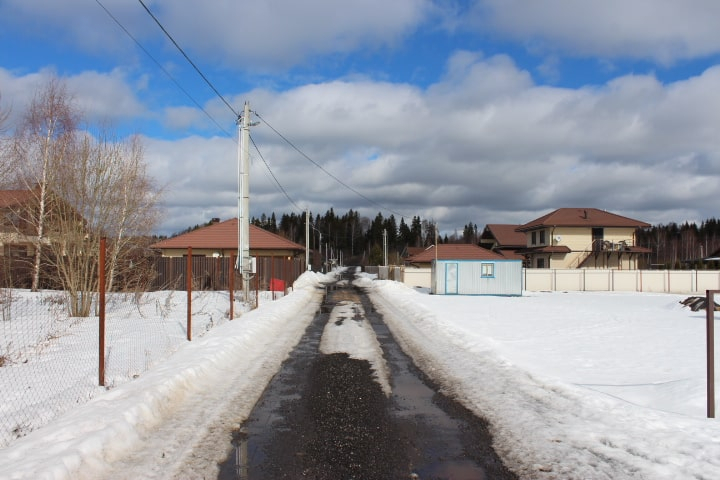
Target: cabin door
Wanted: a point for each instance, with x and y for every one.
(451, 278)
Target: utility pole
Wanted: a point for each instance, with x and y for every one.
(307, 238)
(385, 247)
(244, 265)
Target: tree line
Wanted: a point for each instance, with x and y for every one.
(682, 245)
(361, 239)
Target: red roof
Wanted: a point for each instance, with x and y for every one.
(9, 198)
(224, 236)
(506, 235)
(455, 251)
(582, 217)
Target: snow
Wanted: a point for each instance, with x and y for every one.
(575, 385)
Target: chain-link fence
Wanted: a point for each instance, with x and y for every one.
(50, 362)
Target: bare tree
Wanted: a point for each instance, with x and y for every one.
(85, 185)
(4, 154)
(39, 149)
(105, 192)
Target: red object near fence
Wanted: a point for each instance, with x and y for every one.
(277, 285)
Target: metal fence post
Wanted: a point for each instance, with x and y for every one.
(710, 341)
(188, 275)
(231, 281)
(101, 314)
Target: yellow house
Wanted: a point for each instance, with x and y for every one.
(582, 238)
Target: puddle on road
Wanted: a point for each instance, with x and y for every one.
(442, 439)
(447, 444)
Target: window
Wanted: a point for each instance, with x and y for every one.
(16, 251)
(533, 237)
(487, 270)
(540, 263)
(542, 237)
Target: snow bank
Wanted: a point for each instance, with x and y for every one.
(544, 428)
(83, 442)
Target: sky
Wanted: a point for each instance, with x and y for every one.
(601, 385)
(457, 111)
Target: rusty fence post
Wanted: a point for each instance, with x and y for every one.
(101, 314)
(231, 286)
(710, 342)
(188, 281)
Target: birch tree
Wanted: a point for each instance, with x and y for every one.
(39, 149)
(4, 156)
(85, 185)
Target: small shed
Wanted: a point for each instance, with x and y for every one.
(477, 277)
(467, 269)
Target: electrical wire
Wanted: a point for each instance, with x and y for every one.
(383, 207)
(237, 115)
(274, 177)
(164, 70)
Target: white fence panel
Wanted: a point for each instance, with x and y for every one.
(417, 277)
(599, 280)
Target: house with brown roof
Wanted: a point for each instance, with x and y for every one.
(451, 251)
(582, 238)
(220, 239)
(504, 239)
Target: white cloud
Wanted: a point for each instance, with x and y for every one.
(247, 36)
(100, 97)
(661, 30)
(511, 151)
(286, 33)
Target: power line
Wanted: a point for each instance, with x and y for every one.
(282, 189)
(237, 115)
(325, 171)
(177, 84)
(274, 177)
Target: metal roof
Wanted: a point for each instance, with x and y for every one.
(506, 235)
(455, 251)
(224, 235)
(582, 217)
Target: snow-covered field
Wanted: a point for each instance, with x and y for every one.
(575, 385)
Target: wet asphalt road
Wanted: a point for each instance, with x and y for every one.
(325, 417)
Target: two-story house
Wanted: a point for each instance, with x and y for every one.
(582, 238)
(504, 239)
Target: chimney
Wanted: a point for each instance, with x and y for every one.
(214, 220)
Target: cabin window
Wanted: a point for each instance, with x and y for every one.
(487, 270)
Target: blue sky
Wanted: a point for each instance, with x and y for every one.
(485, 111)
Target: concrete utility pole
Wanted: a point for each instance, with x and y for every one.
(385, 247)
(307, 238)
(244, 265)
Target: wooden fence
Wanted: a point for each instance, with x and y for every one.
(213, 273)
